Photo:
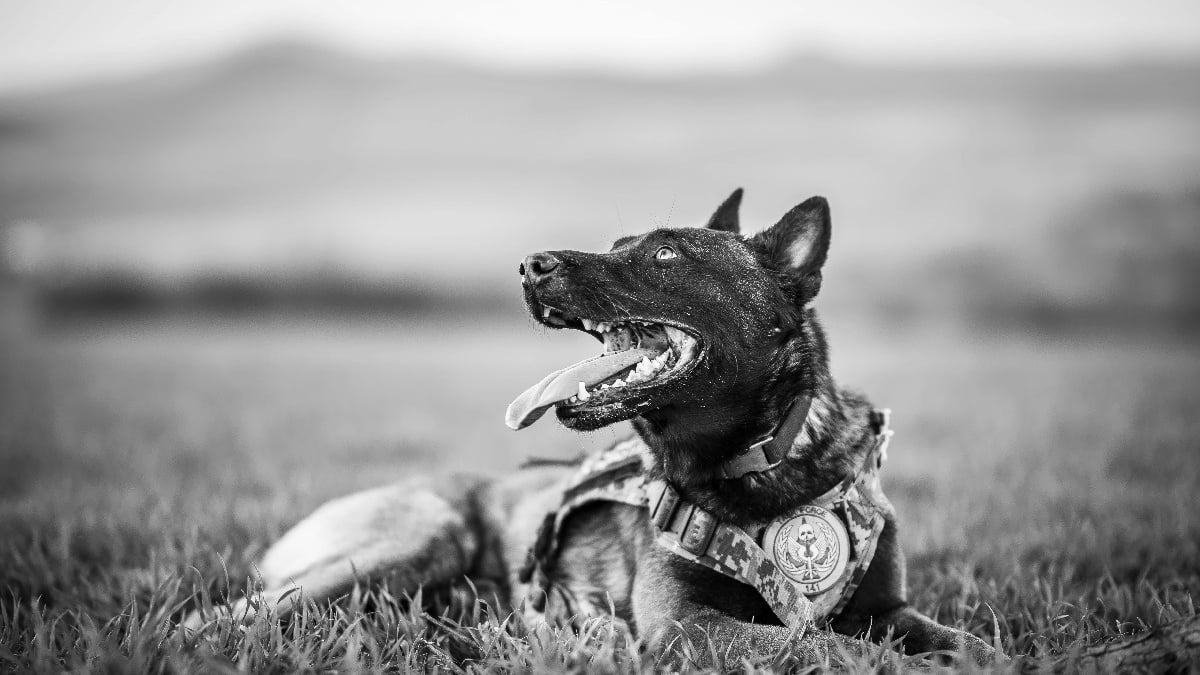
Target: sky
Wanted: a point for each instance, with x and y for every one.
(47, 43)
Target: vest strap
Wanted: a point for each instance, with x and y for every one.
(692, 533)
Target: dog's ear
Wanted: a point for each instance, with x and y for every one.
(798, 243)
(725, 219)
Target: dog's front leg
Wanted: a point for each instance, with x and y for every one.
(879, 609)
(691, 613)
(923, 634)
(706, 637)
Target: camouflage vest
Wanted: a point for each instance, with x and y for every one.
(806, 564)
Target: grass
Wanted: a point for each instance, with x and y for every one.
(1047, 489)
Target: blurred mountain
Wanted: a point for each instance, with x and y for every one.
(290, 161)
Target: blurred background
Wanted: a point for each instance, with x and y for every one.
(257, 254)
(269, 231)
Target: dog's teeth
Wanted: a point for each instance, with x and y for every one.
(686, 352)
(603, 387)
(546, 312)
(583, 393)
(618, 383)
(587, 324)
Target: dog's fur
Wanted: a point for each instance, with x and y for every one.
(748, 301)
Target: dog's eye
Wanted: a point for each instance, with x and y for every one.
(664, 253)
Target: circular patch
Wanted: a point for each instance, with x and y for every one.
(810, 546)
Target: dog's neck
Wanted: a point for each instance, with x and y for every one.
(690, 455)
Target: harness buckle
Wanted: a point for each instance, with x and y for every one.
(663, 506)
(698, 531)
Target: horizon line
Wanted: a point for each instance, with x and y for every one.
(299, 41)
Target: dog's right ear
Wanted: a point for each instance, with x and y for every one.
(725, 219)
(798, 244)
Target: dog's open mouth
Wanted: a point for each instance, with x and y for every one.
(638, 355)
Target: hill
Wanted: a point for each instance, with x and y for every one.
(293, 162)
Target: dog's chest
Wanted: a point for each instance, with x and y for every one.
(805, 564)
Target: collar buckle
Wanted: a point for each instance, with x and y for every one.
(753, 459)
(769, 451)
(759, 444)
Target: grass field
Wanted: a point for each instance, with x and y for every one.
(145, 466)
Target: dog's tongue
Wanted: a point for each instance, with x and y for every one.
(562, 384)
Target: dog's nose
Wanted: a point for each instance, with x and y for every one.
(538, 266)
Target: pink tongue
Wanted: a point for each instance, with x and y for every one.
(562, 384)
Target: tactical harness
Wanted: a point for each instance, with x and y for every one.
(806, 564)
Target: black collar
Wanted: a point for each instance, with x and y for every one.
(768, 451)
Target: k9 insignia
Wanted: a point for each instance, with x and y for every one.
(810, 546)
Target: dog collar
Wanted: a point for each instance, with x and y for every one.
(767, 452)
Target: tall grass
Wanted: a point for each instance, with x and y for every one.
(1047, 492)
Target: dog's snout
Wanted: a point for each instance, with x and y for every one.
(539, 266)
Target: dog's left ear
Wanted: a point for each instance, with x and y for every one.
(797, 245)
(725, 219)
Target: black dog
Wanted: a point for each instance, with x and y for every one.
(747, 511)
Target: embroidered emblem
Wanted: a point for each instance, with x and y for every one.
(811, 547)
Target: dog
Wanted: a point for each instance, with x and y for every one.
(747, 509)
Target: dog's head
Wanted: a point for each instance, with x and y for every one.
(698, 324)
